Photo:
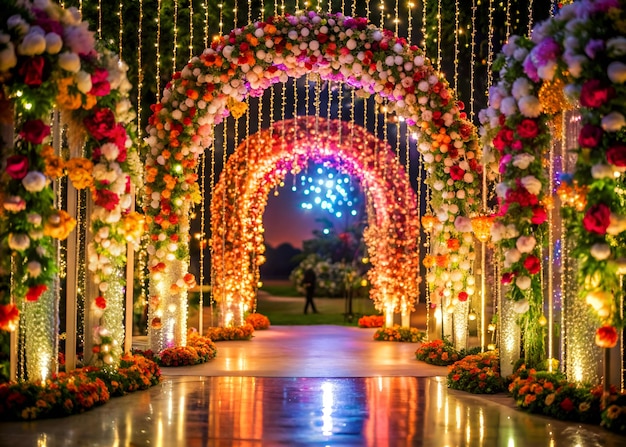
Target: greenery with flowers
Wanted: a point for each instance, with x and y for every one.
(75, 391)
(478, 374)
(551, 394)
(614, 415)
(437, 352)
(398, 333)
(199, 349)
(249, 60)
(330, 276)
(244, 332)
(258, 321)
(49, 58)
(367, 321)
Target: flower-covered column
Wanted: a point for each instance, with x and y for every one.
(40, 327)
(509, 334)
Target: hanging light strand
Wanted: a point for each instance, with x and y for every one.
(139, 68)
(120, 36)
(175, 43)
(157, 45)
(424, 25)
(473, 61)
(191, 29)
(99, 19)
(439, 25)
(508, 20)
(490, 47)
(457, 31)
(206, 23)
(530, 17)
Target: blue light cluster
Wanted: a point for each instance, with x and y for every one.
(332, 191)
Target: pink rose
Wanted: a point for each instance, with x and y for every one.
(527, 128)
(101, 123)
(595, 94)
(597, 219)
(17, 167)
(590, 136)
(539, 215)
(99, 82)
(456, 172)
(35, 131)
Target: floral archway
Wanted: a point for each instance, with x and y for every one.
(262, 161)
(249, 60)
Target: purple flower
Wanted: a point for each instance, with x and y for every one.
(547, 50)
(530, 69)
(504, 161)
(593, 47)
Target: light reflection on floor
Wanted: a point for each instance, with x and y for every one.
(249, 411)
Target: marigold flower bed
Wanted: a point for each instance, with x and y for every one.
(397, 333)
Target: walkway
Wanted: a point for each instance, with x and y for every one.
(306, 386)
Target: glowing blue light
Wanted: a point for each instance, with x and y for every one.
(326, 231)
(318, 190)
(353, 212)
(306, 192)
(320, 170)
(318, 201)
(338, 214)
(294, 189)
(330, 184)
(330, 175)
(304, 205)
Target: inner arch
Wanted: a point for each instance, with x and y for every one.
(263, 160)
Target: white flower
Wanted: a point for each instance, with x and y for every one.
(617, 224)
(531, 184)
(501, 190)
(78, 38)
(34, 181)
(522, 306)
(617, 72)
(17, 21)
(34, 219)
(508, 106)
(463, 224)
(8, 59)
(520, 54)
(574, 63)
(613, 122)
(497, 231)
(526, 244)
(547, 71)
(600, 171)
(511, 256)
(83, 81)
(600, 252)
(69, 62)
(529, 106)
(110, 151)
(34, 269)
(33, 44)
(54, 43)
(616, 47)
(521, 161)
(18, 241)
(521, 88)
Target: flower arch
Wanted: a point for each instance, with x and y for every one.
(261, 162)
(249, 60)
(49, 60)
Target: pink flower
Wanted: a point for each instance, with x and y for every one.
(17, 166)
(456, 172)
(35, 131)
(106, 199)
(595, 93)
(597, 219)
(590, 136)
(100, 83)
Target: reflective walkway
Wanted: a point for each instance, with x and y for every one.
(224, 406)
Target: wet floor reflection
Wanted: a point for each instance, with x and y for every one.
(247, 411)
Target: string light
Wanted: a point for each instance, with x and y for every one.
(439, 25)
(530, 17)
(490, 48)
(473, 61)
(99, 19)
(157, 45)
(175, 43)
(139, 69)
(424, 25)
(508, 20)
(191, 33)
(457, 30)
(120, 36)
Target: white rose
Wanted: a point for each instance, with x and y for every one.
(547, 71)
(521, 88)
(18, 241)
(34, 181)
(69, 62)
(34, 269)
(78, 38)
(617, 72)
(613, 122)
(616, 47)
(497, 231)
(33, 44)
(511, 256)
(531, 184)
(526, 244)
(110, 151)
(508, 106)
(54, 43)
(522, 306)
(521, 161)
(83, 81)
(600, 171)
(600, 252)
(529, 106)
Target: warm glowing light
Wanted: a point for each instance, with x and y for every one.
(481, 226)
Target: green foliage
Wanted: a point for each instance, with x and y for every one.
(437, 352)
(332, 279)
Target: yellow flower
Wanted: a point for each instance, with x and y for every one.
(79, 171)
(237, 108)
(134, 226)
(59, 225)
(54, 167)
(550, 399)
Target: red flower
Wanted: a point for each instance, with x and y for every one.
(527, 128)
(106, 199)
(463, 296)
(539, 215)
(101, 303)
(456, 172)
(597, 219)
(616, 155)
(118, 136)
(507, 278)
(503, 139)
(590, 136)
(101, 123)
(17, 167)
(595, 94)
(606, 337)
(32, 71)
(532, 264)
(99, 83)
(567, 404)
(35, 131)
(521, 196)
(9, 314)
(35, 292)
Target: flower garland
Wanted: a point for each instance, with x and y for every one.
(516, 126)
(400, 334)
(48, 58)
(249, 60)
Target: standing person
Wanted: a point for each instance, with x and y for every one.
(308, 282)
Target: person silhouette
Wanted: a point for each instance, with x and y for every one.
(308, 282)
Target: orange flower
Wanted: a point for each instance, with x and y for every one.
(442, 260)
(9, 316)
(59, 225)
(453, 244)
(79, 171)
(606, 336)
(429, 261)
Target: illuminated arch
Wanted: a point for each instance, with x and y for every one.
(245, 63)
(262, 161)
